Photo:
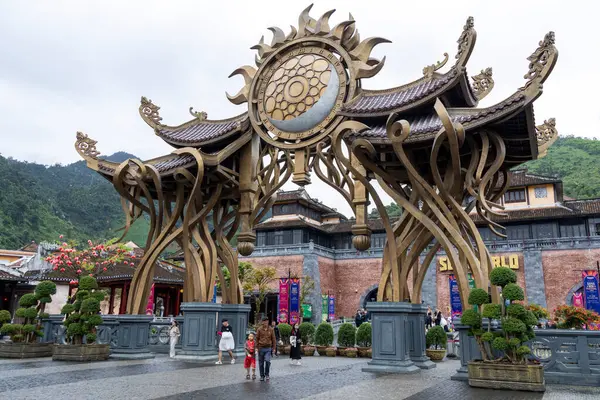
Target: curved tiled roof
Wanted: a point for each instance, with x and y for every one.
(199, 132)
(571, 208)
(162, 164)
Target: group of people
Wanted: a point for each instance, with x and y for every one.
(436, 319)
(361, 316)
(262, 345)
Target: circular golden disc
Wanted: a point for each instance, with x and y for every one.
(296, 89)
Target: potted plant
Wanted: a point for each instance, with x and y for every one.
(24, 337)
(307, 334)
(323, 337)
(363, 339)
(512, 370)
(285, 330)
(571, 317)
(5, 318)
(346, 337)
(331, 351)
(82, 318)
(436, 341)
(351, 352)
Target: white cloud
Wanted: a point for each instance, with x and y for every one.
(72, 65)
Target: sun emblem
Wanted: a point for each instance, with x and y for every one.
(304, 78)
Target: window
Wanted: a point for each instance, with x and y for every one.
(597, 229)
(278, 238)
(378, 240)
(517, 232)
(260, 239)
(514, 196)
(540, 192)
(572, 229)
(288, 236)
(270, 241)
(297, 236)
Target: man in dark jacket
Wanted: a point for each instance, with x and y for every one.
(266, 344)
(358, 319)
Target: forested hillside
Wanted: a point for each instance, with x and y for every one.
(39, 203)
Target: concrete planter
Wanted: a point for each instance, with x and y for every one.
(436, 355)
(351, 352)
(331, 351)
(364, 352)
(198, 339)
(341, 351)
(322, 350)
(81, 352)
(507, 376)
(308, 351)
(132, 333)
(25, 350)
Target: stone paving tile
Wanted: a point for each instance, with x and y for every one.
(462, 390)
(34, 364)
(50, 367)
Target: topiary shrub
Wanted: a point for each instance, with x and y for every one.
(307, 333)
(31, 306)
(363, 335)
(478, 297)
(513, 292)
(436, 338)
(492, 311)
(82, 316)
(5, 317)
(324, 334)
(285, 330)
(502, 276)
(346, 335)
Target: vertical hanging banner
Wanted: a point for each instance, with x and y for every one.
(331, 308)
(294, 301)
(455, 303)
(590, 290)
(471, 281)
(150, 305)
(284, 298)
(578, 300)
(324, 307)
(214, 299)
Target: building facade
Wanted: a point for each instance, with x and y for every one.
(550, 240)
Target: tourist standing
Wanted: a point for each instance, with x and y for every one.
(428, 320)
(358, 319)
(173, 337)
(438, 318)
(265, 347)
(226, 343)
(250, 360)
(277, 335)
(295, 345)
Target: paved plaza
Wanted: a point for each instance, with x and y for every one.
(318, 378)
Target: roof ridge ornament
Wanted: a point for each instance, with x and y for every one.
(483, 83)
(149, 112)
(541, 61)
(546, 134)
(466, 42)
(199, 115)
(86, 146)
(430, 69)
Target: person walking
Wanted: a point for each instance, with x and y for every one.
(250, 360)
(438, 318)
(295, 345)
(358, 319)
(226, 343)
(173, 337)
(266, 343)
(428, 320)
(277, 336)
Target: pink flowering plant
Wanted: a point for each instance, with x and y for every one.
(91, 260)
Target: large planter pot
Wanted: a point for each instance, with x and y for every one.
(280, 349)
(341, 351)
(364, 352)
(308, 350)
(81, 352)
(322, 350)
(507, 376)
(351, 352)
(331, 352)
(435, 355)
(25, 350)
(286, 349)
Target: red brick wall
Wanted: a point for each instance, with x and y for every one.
(353, 278)
(327, 275)
(281, 265)
(562, 270)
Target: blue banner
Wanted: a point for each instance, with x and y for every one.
(590, 290)
(455, 303)
(331, 308)
(294, 301)
(214, 299)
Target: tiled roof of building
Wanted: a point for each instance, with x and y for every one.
(163, 164)
(302, 194)
(571, 208)
(521, 177)
(341, 227)
(199, 132)
(5, 276)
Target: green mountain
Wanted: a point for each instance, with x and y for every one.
(40, 203)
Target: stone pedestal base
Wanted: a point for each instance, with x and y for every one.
(416, 339)
(131, 337)
(237, 315)
(198, 338)
(391, 334)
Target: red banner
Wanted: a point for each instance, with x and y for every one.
(284, 297)
(150, 305)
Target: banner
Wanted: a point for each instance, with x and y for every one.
(324, 307)
(284, 298)
(471, 281)
(214, 299)
(331, 308)
(578, 300)
(455, 304)
(150, 305)
(294, 301)
(590, 290)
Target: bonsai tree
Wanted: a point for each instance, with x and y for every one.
(436, 338)
(5, 317)
(324, 334)
(31, 309)
(363, 335)
(307, 332)
(347, 335)
(285, 330)
(82, 316)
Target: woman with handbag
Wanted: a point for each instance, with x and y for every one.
(295, 349)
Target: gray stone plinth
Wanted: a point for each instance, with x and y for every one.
(198, 339)
(390, 337)
(237, 315)
(416, 338)
(132, 334)
(469, 350)
(49, 325)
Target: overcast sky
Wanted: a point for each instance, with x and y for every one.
(83, 65)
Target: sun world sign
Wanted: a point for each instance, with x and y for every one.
(508, 260)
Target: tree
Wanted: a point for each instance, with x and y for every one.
(244, 271)
(393, 211)
(257, 285)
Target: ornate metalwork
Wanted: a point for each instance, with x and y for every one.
(199, 115)
(430, 69)
(546, 134)
(483, 83)
(541, 61)
(466, 42)
(149, 112)
(86, 147)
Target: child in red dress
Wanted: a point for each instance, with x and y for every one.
(250, 360)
